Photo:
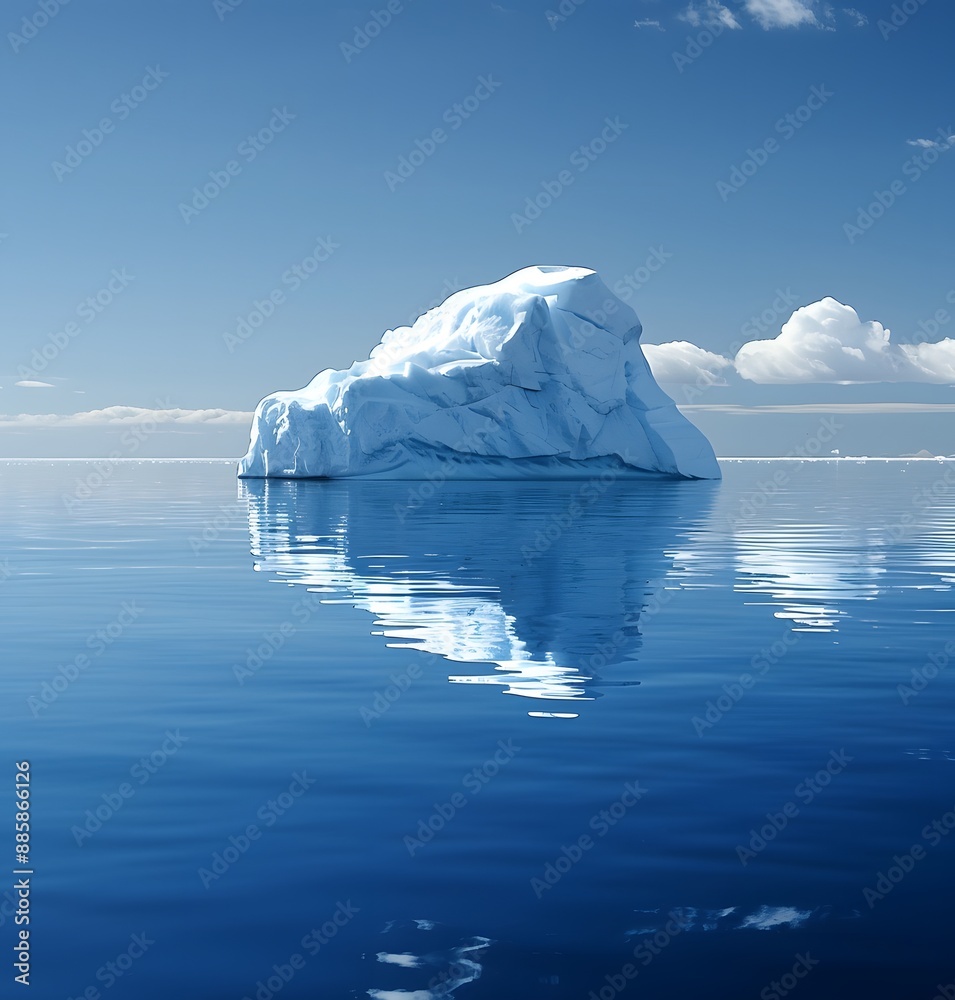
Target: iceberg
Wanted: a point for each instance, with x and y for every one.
(538, 376)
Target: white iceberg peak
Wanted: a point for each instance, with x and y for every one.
(539, 375)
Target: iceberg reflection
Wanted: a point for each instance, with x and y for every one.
(545, 585)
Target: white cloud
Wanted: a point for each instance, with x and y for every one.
(938, 358)
(776, 916)
(944, 142)
(781, 13)
(709, 14)
(33, 384)
(857, 16)
(120, 416)
(647, 23)
(680, 361)
(827, 342)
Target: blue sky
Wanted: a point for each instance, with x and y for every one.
(299, 126)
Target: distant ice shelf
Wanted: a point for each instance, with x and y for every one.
(538, 376)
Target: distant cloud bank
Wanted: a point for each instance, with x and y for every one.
(844, 409)
(122, 416)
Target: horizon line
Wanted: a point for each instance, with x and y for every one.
(719, 458)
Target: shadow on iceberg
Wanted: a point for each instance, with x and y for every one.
(543, 587)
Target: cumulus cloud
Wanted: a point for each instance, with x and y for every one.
(121, 416)
(682, 362)
(28, 383)
(937, 359)
(781, 13)
(709, 14)
(827, 342)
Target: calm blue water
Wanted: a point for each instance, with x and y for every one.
(326, 739)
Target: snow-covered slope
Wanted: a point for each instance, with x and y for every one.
(539, 375)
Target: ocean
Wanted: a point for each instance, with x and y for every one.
(532, 740)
